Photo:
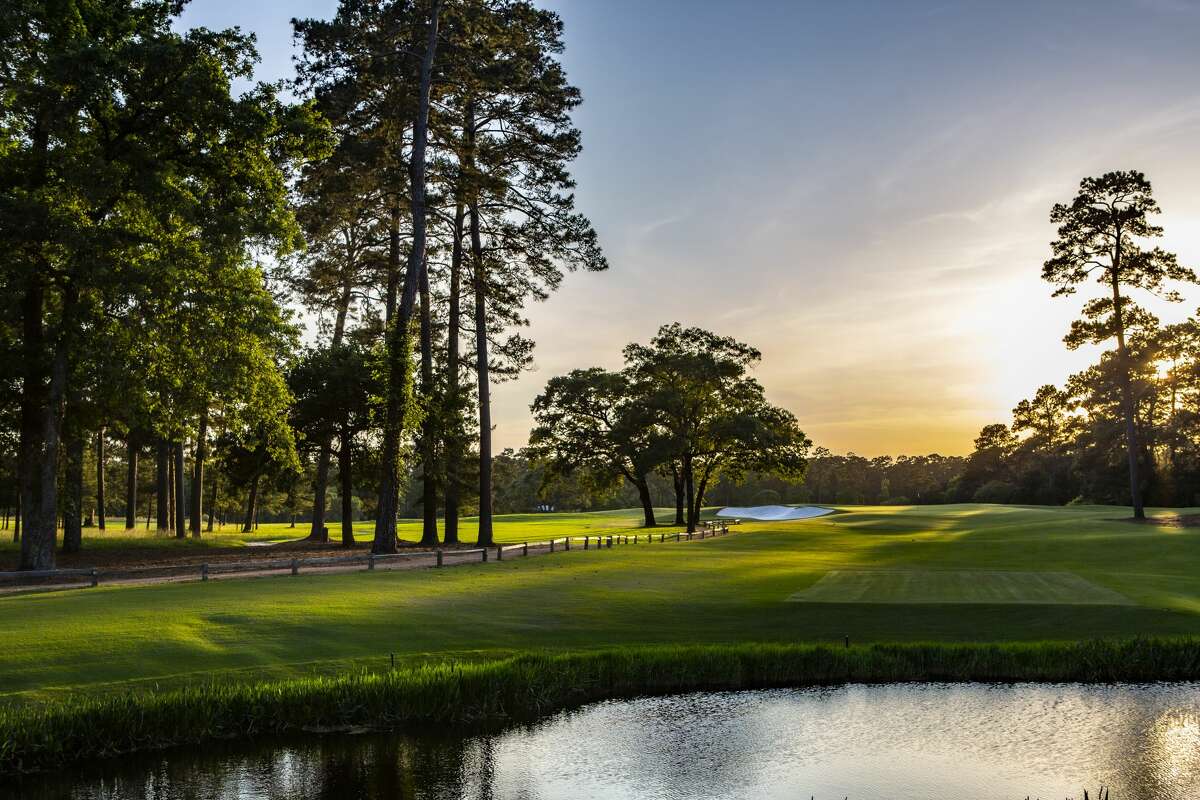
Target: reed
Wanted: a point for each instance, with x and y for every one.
(34, 738)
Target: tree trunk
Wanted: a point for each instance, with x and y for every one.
(251, 507)
(40, 407)
(41, 426)
(101, 510)
(429, 531)
(454, 448)
(678, 481)
(73, 480)
(643, 489)
(481, 369)
(177, 484)
(17, 513)
(317, 531)
(162, 488)
(398, 352)
(689, 481)
(1127, 404)
(131, 482)
(346, 479)
(212, 502)
(198, 459)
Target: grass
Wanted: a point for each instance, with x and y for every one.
(535, 684)
(953, 586)
(108, 642)
(507, 528)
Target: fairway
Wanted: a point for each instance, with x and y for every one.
(913, 586)
(962, 573)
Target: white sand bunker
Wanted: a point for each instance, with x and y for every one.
(774, 513)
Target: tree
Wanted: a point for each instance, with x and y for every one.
(513, 143)
(591, 420)
(1100, 236)
(715, 417)
(128, 150)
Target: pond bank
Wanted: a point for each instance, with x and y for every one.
(528, 686)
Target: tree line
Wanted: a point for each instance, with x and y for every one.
(413, 196)
(1126, 430)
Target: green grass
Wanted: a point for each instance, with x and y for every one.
(508, 528)
(957, 586)
(533, 684)
(725, 590)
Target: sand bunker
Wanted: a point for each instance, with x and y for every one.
(774, 513)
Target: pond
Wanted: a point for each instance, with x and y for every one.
(935, 741)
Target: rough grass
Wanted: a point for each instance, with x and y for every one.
(534, 684)
(957, 586)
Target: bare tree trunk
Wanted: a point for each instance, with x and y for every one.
(481, 369)
(643, 489)
(429, 531)
(679, 491)
(212, 502)
(101, 510)
(41, 427)
(199, 458)
(454, 447)
(131, 482)
(177, 484)
(1127, 403)
(17, 512)
(162, 486)
(346, 479)
(689, 481)
(73, 480)
(41, 398)
(317, 531)
(251, 507)
(399, 367)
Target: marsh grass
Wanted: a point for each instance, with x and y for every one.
(448, 694)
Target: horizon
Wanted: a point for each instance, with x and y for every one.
(829, 154)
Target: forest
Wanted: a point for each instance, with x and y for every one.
(290, 301)
(230, 301)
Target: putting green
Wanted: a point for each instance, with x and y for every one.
(965, 586)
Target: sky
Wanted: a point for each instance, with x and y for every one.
(859, 189)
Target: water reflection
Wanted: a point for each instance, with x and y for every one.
(866, 742)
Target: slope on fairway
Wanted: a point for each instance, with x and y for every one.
(727, 589)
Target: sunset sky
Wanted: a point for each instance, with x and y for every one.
(861, 190)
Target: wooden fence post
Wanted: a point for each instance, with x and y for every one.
(204, 572)
(483, 555)
(295, 566)
(439, 558)
(585, 543)
(552, 545)
(499, 552)
(95, 578)
(525, 549)
(371, 561)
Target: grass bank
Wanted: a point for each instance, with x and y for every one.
(530, 685)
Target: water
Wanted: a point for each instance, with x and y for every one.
(935, 741)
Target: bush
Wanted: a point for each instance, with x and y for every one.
(995, 492)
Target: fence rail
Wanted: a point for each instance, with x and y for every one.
(61, 578)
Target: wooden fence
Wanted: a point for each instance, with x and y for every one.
(91, 576)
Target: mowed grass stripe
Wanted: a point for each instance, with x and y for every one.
(958, 586)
